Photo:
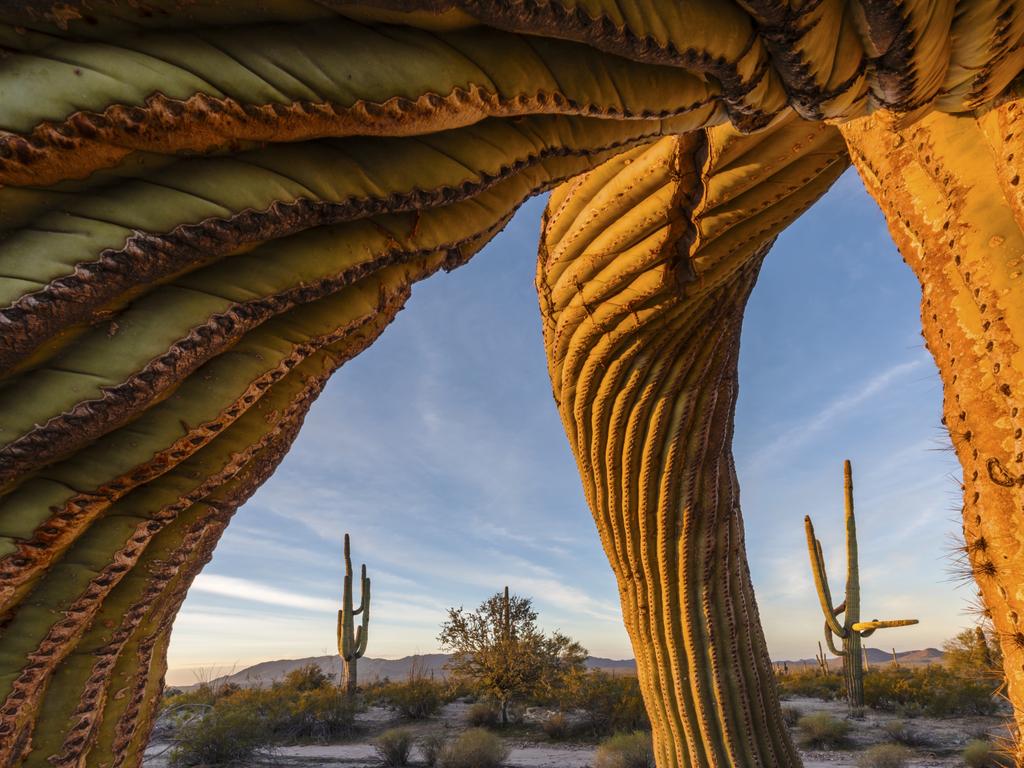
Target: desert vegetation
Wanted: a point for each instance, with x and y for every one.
(588, 715)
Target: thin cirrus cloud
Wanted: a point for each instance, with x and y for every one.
(256, 592)
(800, 434)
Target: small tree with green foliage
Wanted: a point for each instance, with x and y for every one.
(974, 653)
(500, 648)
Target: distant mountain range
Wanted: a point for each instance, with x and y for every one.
(877, 656)
(371, 670)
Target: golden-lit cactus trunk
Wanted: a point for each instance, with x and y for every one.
(850, 630)
(949, 189)
(645, 267)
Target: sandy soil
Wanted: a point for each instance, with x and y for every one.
(945, 739)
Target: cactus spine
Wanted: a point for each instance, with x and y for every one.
(352, 639)
(852, 629)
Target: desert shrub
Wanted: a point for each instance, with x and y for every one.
(791, 716)
(306, 678)
(204, 694)
(319, 714)
(884, 756)
(432, 747)
(415, 699)
(609, 703)
(625, 750)
(822, 730)
(901, 733)
(980, 753)
(228, 734)
(556, 726)
(394, 746)
(475, 748)
(933, 689)
(811, 684)
(482, 715)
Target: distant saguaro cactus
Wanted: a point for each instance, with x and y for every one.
(352, 639)
(852, 629)
(822, 661)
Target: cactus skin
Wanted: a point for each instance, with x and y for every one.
(352, 640)
(338, 151)
(949, 188)
(852, 629)
(645, 266)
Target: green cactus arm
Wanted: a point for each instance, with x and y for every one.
(866, 628)
(69, 263)
(852, 556)
(364, 602)
(821, 581)
(362, 636)
(831, 643)
(215, 86)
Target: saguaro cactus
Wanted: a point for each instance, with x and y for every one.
(352, 639)
(822, 661)
(208, 207)
(852, 629)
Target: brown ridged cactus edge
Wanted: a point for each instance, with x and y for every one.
(851, 629)
(207, 208)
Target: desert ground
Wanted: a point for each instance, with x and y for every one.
(942, 740)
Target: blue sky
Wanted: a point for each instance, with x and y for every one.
(440, 450)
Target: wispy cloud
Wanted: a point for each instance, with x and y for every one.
(253, 591)
(800, 434)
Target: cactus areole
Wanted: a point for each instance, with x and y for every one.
(207, 208)
(843, 621)
(352, 639)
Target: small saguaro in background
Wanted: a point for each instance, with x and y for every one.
(352, 639)
(852, 629)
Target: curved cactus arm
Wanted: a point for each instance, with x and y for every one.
(821, 582)
(207, 89)
(831, 643)
(867, 628)
(364, 594)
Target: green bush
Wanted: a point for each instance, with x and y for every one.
(415, 699)
(822, 730)
(318, 714)
(432, 746)
(625, 750)
(979, 753)
(394, 747)
(791, 716)
(884, 756)
(811, 684)
(609, 703)
(306, 678)
(229, 733)
(933, 689)
(475, 748)
(482, 715)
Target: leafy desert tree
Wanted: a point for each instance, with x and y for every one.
(974, 653)
(502, 650)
